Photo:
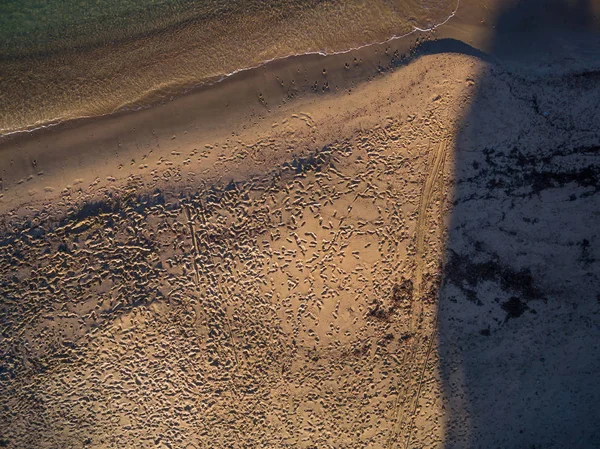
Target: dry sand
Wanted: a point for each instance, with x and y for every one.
(403, 257)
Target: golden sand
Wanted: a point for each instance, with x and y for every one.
(398, 260)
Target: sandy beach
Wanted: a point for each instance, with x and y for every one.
(395, 247)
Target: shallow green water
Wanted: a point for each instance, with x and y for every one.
(65, 59)
(28, 26)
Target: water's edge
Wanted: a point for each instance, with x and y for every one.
(72, 121)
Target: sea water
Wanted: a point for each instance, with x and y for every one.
(66, 59)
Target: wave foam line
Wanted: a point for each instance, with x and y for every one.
(57, 121)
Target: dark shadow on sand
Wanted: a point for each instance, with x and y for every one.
(519, 311)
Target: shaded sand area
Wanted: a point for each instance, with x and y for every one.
(404, 254)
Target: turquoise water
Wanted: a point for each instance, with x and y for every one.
(28, 26)
(65, 59)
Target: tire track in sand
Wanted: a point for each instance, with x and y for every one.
(434, 174)
(412, 359)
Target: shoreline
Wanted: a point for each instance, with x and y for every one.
(33, 162)
(149, 70)
(469, 23)
(71, 122)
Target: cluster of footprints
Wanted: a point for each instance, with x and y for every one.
(292, 309)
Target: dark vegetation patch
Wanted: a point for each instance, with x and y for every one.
(518, 170)
(514, 308)
(402, 291)
(465, 274)
(400, 296)
(379, 311)
(588, 74)
(586, 257)
(546, 179)
(461, 270)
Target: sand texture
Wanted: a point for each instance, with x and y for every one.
(410, 260)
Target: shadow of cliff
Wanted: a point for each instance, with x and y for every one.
(519, 311)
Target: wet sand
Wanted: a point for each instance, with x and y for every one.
(313, 255)
(95, 60)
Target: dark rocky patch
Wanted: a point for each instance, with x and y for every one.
(461, 271)
(514, 308)
(519, 169)
(401, 295)
(402, 291)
